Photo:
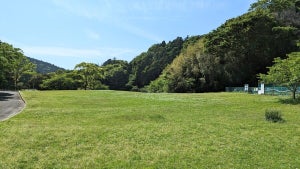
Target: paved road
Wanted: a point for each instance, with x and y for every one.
(10, 104)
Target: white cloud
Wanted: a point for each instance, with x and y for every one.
(92, 34)
(172, 5)
(121, 13)
(112, 12)
(59, 51)
(91, 10)
(72, 52)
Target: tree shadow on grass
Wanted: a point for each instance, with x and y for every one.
(290, 101)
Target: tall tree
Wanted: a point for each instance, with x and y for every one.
(13, 65)
(115, 74)
(90, 74)
(20, 66)
(5, 56)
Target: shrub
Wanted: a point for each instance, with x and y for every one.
(273, 115)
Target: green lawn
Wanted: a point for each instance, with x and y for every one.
(112, 129)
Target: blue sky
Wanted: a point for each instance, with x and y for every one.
(67, 32)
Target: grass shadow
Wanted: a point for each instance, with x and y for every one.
(290, 101)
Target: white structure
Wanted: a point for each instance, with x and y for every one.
(262, 89)
(246, 87)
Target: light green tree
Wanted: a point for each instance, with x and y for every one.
(20, 65)
(90, 74)
(285, 72)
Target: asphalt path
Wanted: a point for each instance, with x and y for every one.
(11, 104)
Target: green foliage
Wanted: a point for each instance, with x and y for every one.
(231, 55)
(115, 74)
(245, 46)
(272, 5)
(273, 116)
(159, 85)
(14, 64)
(90, 74)
(61, 81)
(284, 11)
(285, 72)
(20, 66)
(149, 65)
(184, 74)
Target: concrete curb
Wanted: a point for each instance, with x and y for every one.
(22, 97)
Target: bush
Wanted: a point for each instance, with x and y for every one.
(273, 115)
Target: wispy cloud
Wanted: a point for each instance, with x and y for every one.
(92, 34)
(100, 10)
(173, 5)
(60, 51)
(72, 52)
(112, 12)
(123, 14)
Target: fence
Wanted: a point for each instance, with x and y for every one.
(242, 89)
(269, 90)
(273, 90)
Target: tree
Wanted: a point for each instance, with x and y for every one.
(272, 5)
(285, 72)
(90, 74)
(115, 74)
(5, 57)
(13, 65)
(60, 80)
(149, 65)
(20, 66)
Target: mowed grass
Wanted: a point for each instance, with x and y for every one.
(112, 129)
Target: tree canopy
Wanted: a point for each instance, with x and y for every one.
(90, 74)
(13, 65)
(285, 72)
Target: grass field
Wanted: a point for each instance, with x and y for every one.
(111, 129)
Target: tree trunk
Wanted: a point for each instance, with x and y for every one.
(294, 94)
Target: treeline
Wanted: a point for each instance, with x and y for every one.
(231, 55)
(116, 74)
(236, 52)
(15, 67)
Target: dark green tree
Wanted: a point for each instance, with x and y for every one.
(149, 65)
(115, 74)
(245, 46)
(61, 80)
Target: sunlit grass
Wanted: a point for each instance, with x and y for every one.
(110, 129)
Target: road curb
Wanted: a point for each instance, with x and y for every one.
(21, 97)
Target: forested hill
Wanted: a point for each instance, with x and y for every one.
(235, 52)
(231, 55)
(44, 67)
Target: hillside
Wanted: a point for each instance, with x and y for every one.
(44, 67)
(231, 55)
(235, 52)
